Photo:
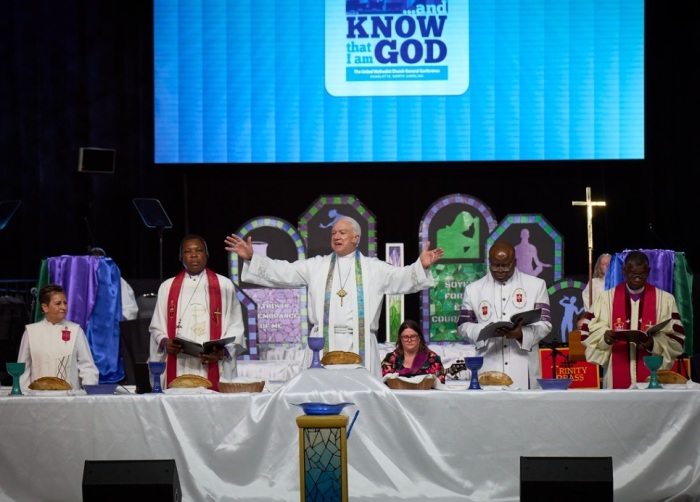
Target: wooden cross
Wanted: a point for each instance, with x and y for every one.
(589, 219)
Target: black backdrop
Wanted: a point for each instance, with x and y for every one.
(79, 73)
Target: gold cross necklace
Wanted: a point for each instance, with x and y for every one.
(341, 292)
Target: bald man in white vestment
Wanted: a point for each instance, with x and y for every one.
(497, 296)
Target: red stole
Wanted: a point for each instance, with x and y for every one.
(214, 323)
(622, 315)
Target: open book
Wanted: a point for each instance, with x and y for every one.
(528, 317)
(194, 349)
(637, 336)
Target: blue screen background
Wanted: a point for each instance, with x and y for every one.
(243, 82)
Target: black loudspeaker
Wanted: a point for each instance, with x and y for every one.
(152, 480)
(545, 479)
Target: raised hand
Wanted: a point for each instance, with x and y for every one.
(428, 257)
(243, 248)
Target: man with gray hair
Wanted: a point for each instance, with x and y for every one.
(345, 288)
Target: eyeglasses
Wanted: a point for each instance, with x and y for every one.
(502, 268)
(638, 275)
(408, 338)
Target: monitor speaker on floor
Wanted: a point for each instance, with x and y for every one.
(121, 479)
(544, 479)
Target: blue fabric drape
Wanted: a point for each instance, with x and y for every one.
(103, 325)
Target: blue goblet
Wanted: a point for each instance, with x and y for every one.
(157, 369)
(15, 370)
(316, 343)
(474, 364)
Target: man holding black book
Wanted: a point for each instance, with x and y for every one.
(197, 306)
(506, 294)
(627, 323)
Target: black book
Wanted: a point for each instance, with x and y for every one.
(528, 317)
(195, 349)
(637, 336)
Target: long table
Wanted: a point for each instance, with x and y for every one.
(406, 445)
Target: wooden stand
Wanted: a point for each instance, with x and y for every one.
(577, 352)
(323, 464)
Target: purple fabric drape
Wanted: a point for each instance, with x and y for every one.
(661, 262)
(78, 276)
(92, 287)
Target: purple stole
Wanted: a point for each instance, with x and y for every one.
(418, 361)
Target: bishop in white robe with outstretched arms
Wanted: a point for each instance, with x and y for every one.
(345, 288)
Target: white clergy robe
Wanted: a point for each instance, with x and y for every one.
(193, 316)
(379, 278)
(48, 352)
(667, 343)
(486, 301)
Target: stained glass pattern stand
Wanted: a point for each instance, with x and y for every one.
(323, 465)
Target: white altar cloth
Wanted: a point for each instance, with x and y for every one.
(406, 445)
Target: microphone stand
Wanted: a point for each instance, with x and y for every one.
(160, 246)
(555, 352)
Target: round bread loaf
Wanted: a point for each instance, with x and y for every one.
(50, 383)
(494, 378)
(188, 381)
(670, 377)
(341, 357)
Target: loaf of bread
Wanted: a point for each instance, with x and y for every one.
(50, 383)
(340, 357)
(189, 381)
(494, 378)
(670, 377)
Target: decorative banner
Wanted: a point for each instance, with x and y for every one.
(281, 312)
(584, 375)
(539, 248)
(459, 224)
(566, 303)
(316, 223)
(394, 306)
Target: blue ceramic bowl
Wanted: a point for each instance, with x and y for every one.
(322, 408)
(554, 383)
(103, 388)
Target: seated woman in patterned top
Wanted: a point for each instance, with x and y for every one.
(412, 356)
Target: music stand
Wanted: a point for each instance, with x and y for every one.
(7, 210)
(555, 353)
(154, 216)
